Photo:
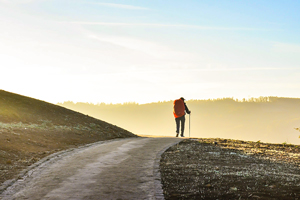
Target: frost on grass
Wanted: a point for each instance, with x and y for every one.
(44, 125)
(230, 169)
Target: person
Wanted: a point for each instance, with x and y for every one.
(179, 110)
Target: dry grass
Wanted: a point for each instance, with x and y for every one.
(31, 129)
(230, 169)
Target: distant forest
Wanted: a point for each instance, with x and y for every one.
(265, 119)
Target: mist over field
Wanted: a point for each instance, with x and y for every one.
(268, 119)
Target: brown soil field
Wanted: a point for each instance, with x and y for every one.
(230, 169)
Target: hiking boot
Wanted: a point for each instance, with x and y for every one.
(182, 135)
(177, 134)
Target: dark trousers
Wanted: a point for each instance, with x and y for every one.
(180, 121)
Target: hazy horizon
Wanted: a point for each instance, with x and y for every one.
(267, 119)
(248, 99)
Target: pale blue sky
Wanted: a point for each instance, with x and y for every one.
(145, 51)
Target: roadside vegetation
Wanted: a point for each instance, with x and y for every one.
(213, 168)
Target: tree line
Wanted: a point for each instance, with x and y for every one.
(269, 119)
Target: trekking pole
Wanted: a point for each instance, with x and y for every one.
(190, 124)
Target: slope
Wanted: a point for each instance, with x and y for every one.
(31, 129)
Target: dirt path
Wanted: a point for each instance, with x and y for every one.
(119, 169)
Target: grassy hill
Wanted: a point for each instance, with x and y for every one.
(31, 129)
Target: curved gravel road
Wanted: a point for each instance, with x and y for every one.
(116, 169)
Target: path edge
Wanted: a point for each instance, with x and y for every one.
(158, 191)
(48, 159)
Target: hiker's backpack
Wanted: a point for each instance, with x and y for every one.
(178, 108)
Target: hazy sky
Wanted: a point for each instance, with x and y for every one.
(149, 50)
